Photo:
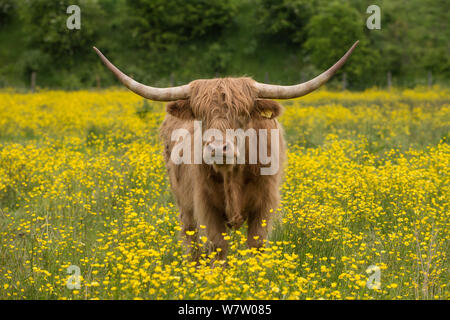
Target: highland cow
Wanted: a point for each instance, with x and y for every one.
(225, 194)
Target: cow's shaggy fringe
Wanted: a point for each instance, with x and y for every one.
(225, 98)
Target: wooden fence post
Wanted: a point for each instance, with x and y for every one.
(344, 81)
(33, 81)
(389, 80)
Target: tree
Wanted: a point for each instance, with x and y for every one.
(415, 39)
(52, 46)
(169, 34)
(331, 32)
(285, 20)
(161, 24)
(7, 8)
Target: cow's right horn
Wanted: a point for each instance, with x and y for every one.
(157, 94)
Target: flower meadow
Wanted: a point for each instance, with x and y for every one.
(364, 211)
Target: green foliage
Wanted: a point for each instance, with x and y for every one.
(161, 24)
(52, 45)
(286, 18)
(332, 32)
(7, 8)
(171, 42)
(169, 34)
(416, 38)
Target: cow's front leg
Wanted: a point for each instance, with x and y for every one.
(233, 200)
(260, 219)
(214, 222)
(190, 234)
(215, 230)
(258, 230)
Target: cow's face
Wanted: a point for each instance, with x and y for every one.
(222, 104)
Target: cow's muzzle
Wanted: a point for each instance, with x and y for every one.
(220, 153)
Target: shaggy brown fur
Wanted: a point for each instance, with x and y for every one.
(232, 194)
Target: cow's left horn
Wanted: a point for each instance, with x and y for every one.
(270, 91)
(157, 94)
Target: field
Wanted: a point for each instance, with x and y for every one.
(83, 183)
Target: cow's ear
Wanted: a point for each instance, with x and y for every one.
(266, 109)
(180, 109)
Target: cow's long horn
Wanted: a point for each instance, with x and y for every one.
(270, 91)
(157, 94)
